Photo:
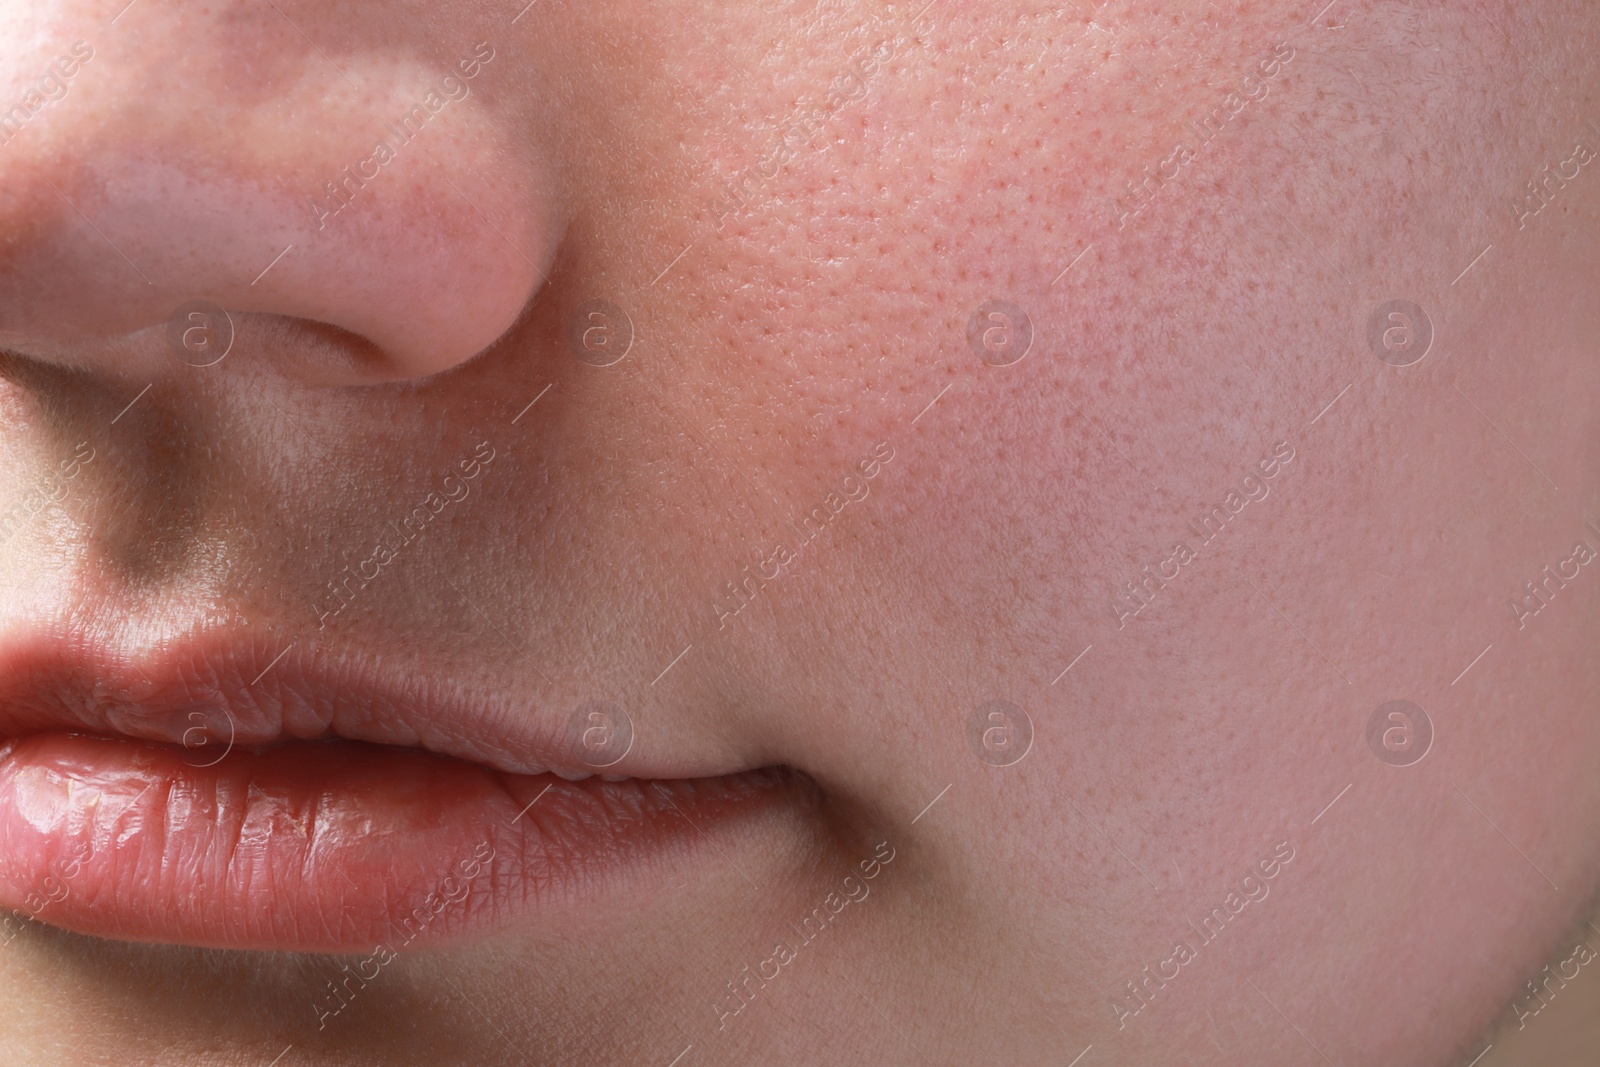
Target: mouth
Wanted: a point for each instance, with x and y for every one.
(219, 798)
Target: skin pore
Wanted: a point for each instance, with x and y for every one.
(847, 369)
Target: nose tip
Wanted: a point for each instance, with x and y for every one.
(403, 215)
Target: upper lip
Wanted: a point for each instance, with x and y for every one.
(313, 847)
(215, 690)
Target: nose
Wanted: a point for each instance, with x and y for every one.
(218, 152)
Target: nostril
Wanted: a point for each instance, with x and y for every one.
(318, 352)
(338, 356)
(107, 228)
(202, 333)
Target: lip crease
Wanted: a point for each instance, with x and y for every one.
(341, 814)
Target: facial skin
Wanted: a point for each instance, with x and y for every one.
(898, 167)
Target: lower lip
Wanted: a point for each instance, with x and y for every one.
(326, 846)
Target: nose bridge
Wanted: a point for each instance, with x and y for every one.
(357, 195)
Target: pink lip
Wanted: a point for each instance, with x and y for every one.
(314, 832)
(207, 690)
